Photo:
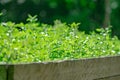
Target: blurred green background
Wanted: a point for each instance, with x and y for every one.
(90, 13)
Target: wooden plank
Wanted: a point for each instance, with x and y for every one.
(83, 69)
(110, 78)
(3, 75)
(10, 72)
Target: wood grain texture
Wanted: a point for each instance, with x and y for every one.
(3, 75)
(83, 69)
(110, 78)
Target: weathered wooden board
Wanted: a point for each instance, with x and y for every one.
(106, 68)
(3, 74)
(110, 78)
(83, 69)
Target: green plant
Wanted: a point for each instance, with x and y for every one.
(32, 42)
(32, 19)
(1, 14)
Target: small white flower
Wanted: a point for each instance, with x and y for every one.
(18, 40)
(76, 37)
(15, 49)
(13, 40)
(101, 42)
(103, 51)
(113, 51)
(87, 38)
(42, 32)
(46, 34)
(7, 34)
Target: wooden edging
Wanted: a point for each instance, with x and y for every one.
(105, 68)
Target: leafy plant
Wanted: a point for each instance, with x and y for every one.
(32, 19)
(32, 42)
(1, 14)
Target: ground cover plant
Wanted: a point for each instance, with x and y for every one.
(37, 42)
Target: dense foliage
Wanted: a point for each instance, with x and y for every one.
(89, 12)
(35, 42)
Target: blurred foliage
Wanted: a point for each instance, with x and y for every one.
(89, 12)
(115, 17)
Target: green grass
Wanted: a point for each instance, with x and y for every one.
(35, 42)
